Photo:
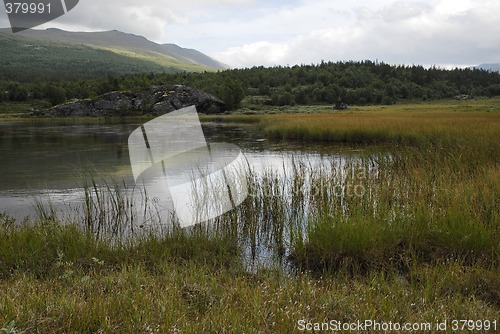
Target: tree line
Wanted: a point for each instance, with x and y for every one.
(354, 83)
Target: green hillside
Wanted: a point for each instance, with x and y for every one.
(54, 55)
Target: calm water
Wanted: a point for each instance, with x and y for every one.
(42, 161)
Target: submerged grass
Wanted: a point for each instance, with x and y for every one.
(408, 235)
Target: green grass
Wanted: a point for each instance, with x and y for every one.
(419, 205)
(158, 58)
(197, 299)
(42, 249)
(17, 110)
(410, 234)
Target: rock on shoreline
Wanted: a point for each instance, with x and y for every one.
(157, 100)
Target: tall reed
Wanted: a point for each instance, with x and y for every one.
(366, 212)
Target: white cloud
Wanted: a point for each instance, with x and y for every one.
(244, 33)
(247, 54)
(148, 18)
(403, 10)
(397, 32)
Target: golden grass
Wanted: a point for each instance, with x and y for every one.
(390, 125)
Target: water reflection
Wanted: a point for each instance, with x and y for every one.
(46, 161)
(82, 172)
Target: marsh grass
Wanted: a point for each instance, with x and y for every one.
(414, 210)
(40, 248)
(108, 207)
(418, 129)
(408, 235)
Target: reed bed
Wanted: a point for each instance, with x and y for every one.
(417, 129)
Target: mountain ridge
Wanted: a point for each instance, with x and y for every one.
(113, 46)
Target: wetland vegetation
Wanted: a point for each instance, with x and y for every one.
(408, 232)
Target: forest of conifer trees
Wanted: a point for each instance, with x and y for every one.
(353, 83)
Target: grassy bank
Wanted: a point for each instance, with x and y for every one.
(410, 234)
(68, 283)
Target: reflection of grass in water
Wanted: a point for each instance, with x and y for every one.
(379, 213)
(107, 208)
(419, 243)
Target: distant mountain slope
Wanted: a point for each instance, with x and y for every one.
(56, 54)
(488, 67)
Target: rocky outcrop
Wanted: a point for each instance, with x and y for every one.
(157, 100)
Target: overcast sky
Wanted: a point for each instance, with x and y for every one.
(245, 33)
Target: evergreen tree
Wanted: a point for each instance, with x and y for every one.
(231, 93)
(55, 95)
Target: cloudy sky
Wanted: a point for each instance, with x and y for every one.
(245, 33)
